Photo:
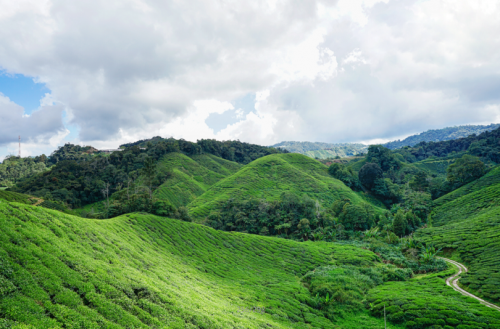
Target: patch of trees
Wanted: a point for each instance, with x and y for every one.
(13, 169)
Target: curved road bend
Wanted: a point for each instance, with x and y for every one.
(452, 281)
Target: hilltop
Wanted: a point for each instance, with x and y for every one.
(268, 177)
(318, 150)
(439, 135)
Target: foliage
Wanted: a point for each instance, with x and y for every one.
(469, 200)
(229, 150)
(383, 157)
(13, 169)
(485, 145)
(369, 174)
(400, 224)
(345, 174)
(428, 302)
(143, 271)
(268, 177)
(444, 134)
(474, 242)
(465, 170)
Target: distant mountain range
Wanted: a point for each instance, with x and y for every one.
(439, 135)
(323, 150)
(319, 150)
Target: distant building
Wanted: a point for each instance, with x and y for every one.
(108, 151)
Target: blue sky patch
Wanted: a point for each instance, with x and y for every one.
(242, 106)
(22, 90)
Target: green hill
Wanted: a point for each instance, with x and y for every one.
(144, 271)
(270, 176)
(191, 177)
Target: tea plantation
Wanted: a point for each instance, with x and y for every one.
(476, 243)
(191, 177)
(469, 200)
(428, 302)
(270, 176)
(144, 271)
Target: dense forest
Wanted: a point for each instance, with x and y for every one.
(439, 135)
(13, 169)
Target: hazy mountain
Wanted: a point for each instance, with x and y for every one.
(439, 135)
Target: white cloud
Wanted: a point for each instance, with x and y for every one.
(322, 70)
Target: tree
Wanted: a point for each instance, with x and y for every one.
(369, 173)
(420, 182)
(356, 217)
(465, 170)
(383, 157)
(399, 224)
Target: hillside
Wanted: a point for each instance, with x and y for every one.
(439, 135)
(466, 223)
(144, 271)
(270, 176)
(191, 177)
(474, 198)
(322, 150)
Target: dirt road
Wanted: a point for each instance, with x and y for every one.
(452, 281)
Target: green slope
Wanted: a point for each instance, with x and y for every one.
(191, 177)
(143, 271)
(476, 243)
(467, 226)
(268, 177)
(474, 198)
(427, 302)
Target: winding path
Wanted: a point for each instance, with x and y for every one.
(452, 281)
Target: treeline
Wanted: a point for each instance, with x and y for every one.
(13, 169)
(302, 218)
(230, 150)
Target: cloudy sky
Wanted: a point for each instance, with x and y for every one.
(107, 72)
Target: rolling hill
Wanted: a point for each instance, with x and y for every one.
(144, 271)
(191, 176)
(270, 176)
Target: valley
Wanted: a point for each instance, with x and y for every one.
(173, 234)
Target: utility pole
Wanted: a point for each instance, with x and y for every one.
(385, 320)
(19, 146)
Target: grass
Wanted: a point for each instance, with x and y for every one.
(427, 302)
(469, 200)
(191, 177)
(476, 243)
(144, 271)
(434, 166)
(268, 177)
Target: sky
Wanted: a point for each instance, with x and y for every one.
(104, 73)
